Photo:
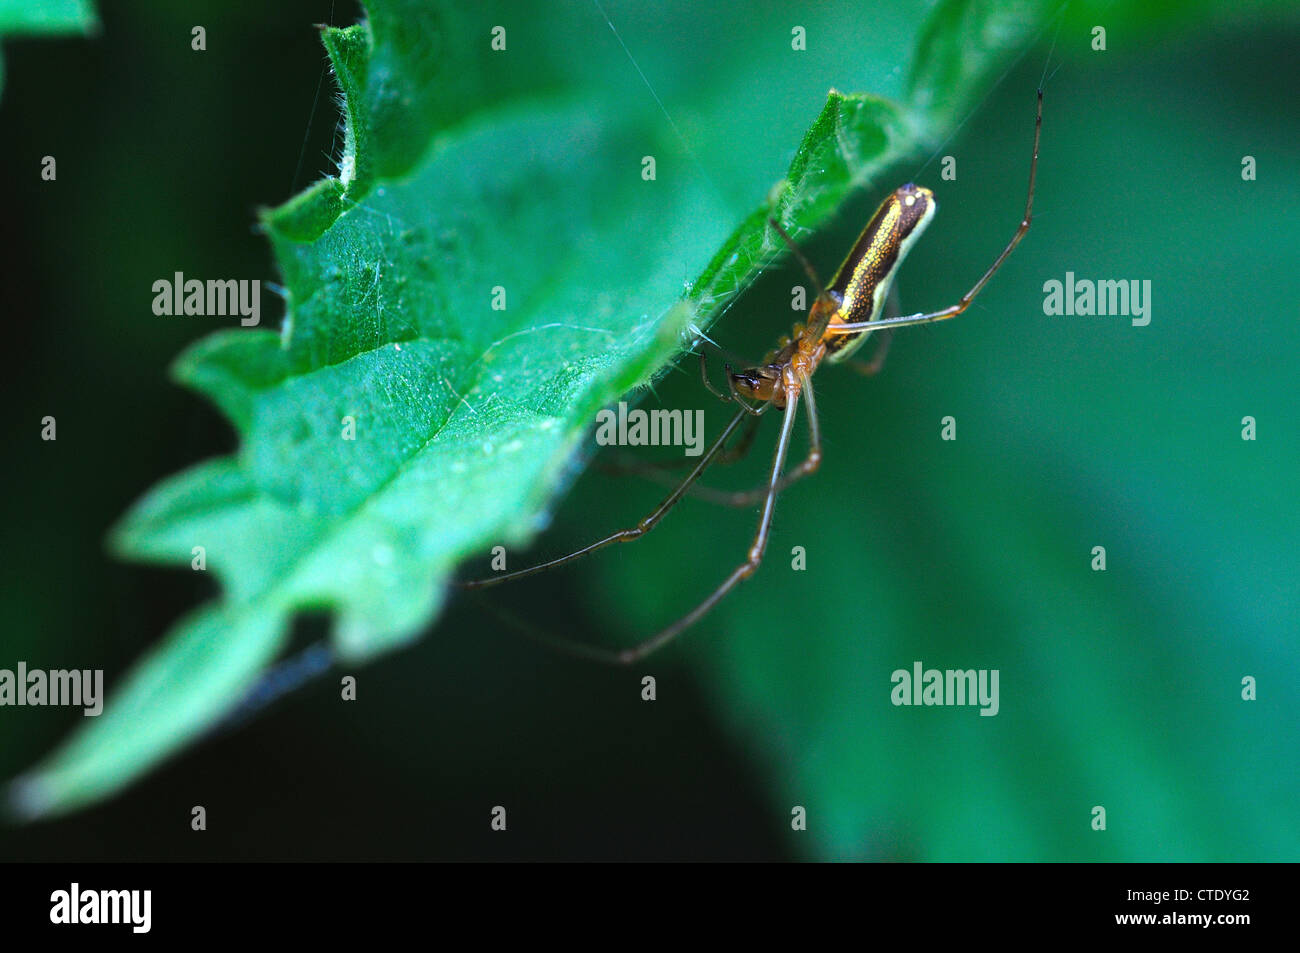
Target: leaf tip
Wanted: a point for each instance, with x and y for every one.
(120, 539)
(27, 798)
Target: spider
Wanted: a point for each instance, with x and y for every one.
(841, 318)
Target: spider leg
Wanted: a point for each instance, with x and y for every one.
(661, 471)
(753, 558)
(809, 465)
(625, 535)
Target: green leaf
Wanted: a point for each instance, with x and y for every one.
(35, 17)
(959, 48)
(44, 18)
(401, 422)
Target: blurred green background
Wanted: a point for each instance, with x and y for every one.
(1119, 689)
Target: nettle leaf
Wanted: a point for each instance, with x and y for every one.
(39, 17)
(461, 300)
(44, 18)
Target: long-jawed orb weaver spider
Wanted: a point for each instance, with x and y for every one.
(840, 320)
